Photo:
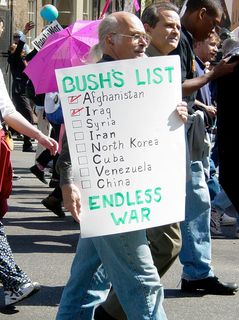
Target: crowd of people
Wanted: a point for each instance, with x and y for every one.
(94, 290)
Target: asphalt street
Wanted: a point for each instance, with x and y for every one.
(44, 246)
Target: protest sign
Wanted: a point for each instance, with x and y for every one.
(127, 142)
(39, 41)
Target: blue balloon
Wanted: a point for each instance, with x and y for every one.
(49, 12)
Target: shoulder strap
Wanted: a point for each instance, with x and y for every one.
(2, 122)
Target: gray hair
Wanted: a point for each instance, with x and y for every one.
(230, 47)
(108, 25)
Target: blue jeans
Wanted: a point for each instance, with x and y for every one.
(123, 260)
(212, 182)
(195, 254)
(221, 201)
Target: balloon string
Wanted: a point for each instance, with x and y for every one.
(105, 9)
(136, 5)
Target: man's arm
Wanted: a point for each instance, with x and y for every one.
(70, 192)
(222, 69)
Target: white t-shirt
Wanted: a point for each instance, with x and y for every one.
(6, 105)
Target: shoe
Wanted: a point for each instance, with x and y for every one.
(53, 183)
(237, 234)
(19, 137)
(226, 220)
(38, 173)
(209, 285)
(53, 204)
(101, 314)
(215, 226)
(24, 291)
(28, 149)
(15, 177)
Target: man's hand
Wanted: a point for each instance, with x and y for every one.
(223, 68)
(182, 111)
(211, 110)
(28, 26)
(71, 200)
(47, 142)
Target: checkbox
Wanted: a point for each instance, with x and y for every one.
(77, 124)
(79, 135)
(84, 172)
(82, 160)
(85, 184)
(80, 147)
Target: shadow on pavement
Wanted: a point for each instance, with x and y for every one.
(47, 296)
(177, 293)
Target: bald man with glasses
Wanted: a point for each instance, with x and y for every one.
(123, 260)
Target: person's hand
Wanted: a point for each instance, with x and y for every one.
(223, 68)
(182, 111)
(211, 110)
(47, 142)
(71, 200)
(28, 26)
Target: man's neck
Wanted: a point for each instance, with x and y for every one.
(152, 51)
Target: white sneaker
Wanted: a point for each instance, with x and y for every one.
(24, 291)
(226, 220)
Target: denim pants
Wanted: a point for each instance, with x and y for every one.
(221, 201)
(212, 182)
(123, 260)
(195, 254)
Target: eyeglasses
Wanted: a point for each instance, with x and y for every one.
(137, 37)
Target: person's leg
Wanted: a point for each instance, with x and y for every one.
(221, 201)
(11, 276)
(23, 105)
(165, 243)
(212, 182)
(195, 254)
(87, 286)
(43, 125)
(53, 202)
(128, 261)
(214, 152)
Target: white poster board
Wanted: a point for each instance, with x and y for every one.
(39, 41)
(126, 141)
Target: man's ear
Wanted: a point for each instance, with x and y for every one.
(109, 40)
(147, 28)
(202, 13)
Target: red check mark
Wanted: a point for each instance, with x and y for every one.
(73, 99)
(75, 112)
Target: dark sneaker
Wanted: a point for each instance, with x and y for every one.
(101, 314)
(38, 173)
(53, 183)
(209, 285)
(53, 204)
(24, 291)
(215, 225)
(28, 149)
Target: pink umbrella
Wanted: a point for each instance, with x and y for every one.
(63, 49)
